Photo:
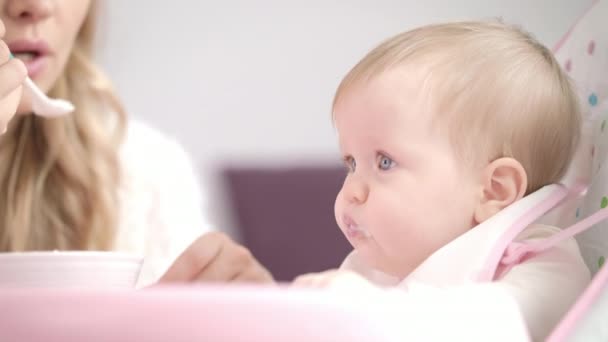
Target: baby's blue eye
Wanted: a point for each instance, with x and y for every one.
(385, 163)
(350, 163)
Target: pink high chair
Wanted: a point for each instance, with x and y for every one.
(583, 52)
(237, 313)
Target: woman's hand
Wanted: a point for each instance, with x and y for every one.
(214, 257)
(12, 75)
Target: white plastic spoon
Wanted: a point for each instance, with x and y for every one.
(42, 105)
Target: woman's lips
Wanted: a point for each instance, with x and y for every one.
(34, 54)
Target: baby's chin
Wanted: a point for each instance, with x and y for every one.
(396, 271)
(385, 276)
(390, 271)
(373, 261)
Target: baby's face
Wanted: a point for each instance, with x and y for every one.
(406, 195)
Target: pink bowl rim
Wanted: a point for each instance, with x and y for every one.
(71, 256)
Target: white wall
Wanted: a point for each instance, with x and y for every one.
(252, 81)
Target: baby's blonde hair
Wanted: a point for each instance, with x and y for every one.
(59, 178)
(502, 92)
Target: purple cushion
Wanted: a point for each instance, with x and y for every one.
(286, 217)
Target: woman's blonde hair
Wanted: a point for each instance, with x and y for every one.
(502, 93)
(59, 178)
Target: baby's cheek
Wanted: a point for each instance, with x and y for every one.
(393, 225)
(338, 207)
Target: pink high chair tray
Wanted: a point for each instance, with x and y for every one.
(203, 313)
(196, 313)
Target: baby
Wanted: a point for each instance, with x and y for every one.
(441, 128)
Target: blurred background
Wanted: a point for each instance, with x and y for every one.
(246, 87)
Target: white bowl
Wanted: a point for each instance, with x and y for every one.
(78, 269)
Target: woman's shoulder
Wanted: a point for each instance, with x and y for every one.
(148, 151)
(161, 199)
(146, 141)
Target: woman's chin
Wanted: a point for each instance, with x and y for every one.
(25, 106)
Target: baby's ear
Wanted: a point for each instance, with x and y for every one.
(504, 181)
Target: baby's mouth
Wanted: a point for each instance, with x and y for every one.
(353, 229)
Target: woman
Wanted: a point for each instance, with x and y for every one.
(94, 180)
